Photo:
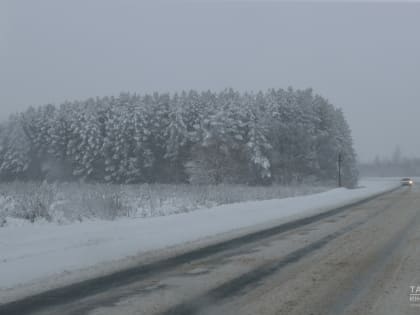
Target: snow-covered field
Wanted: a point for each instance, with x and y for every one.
(35, 257)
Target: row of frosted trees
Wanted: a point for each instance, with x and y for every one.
(281, 136)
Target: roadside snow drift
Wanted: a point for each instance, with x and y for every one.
(32, 253)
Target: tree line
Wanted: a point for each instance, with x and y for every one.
(276, 136)
(395, 166)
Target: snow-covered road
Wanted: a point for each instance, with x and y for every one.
(39, 257)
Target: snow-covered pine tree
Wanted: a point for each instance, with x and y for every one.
(325, 141)
(157, 109)
(218, 152)
(257, 145)
(16, 150)
(111, 145)
(350, 172)
(141, 161)
(36, 124)
(90, 162)
(177, 141)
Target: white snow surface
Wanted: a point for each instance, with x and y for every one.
(36, 257)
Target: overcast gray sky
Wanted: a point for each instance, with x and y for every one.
(364, 58)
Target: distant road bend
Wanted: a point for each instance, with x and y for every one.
(361, 259)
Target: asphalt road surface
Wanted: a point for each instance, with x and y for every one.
(362, 260)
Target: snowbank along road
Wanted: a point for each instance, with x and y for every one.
(356, 260)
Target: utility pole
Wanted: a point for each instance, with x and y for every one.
(340, 160)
